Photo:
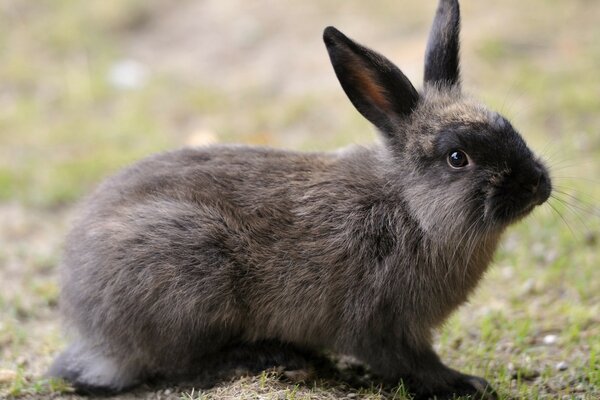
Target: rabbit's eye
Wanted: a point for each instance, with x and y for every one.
(458, 159)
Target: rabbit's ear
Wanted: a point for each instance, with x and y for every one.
(441, 56)
(376, 87)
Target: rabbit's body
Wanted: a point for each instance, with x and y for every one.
(183, 253)
(362, 251)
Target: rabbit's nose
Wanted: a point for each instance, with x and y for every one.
(538, 185)
(534, 187)
(531, 183)
(543, 188)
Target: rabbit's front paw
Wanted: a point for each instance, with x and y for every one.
(468, 386)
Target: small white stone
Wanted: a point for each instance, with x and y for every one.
(562, 366)
(550, 339)
(127, 74)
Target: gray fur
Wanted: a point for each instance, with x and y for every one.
(363, 252)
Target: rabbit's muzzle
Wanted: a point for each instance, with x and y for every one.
(517, 193)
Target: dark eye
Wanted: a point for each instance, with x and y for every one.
(458, 159)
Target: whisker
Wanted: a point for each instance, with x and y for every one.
(565, 162)
(472, 244)
(578, 204)
(561, 166)
(453, 260)
(563, 218)
(577, 177)
(575, 209)
(551, 157)
(575, 213)
(572, 190)
(563, 191)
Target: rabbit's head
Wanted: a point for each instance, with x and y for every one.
(459, 165)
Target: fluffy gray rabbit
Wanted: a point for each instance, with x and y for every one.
(363, 252)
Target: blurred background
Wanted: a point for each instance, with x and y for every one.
(87, 87)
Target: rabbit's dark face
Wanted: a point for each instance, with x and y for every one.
(467, 167)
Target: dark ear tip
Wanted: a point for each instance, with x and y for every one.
(452, 3)
(331, 35)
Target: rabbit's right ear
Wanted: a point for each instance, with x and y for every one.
(376, 87)
(441, 56)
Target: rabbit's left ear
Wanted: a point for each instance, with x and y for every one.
(376, 87)
(441, 56)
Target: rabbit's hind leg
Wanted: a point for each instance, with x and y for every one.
(90, 371)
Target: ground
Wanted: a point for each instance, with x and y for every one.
(88, 87)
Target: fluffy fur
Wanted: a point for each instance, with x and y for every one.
(363, 251)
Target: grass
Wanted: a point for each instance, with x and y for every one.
(532, 328)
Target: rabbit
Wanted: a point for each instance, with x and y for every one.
(362, 252)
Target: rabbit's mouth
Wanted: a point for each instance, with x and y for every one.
(524, 212)
(504, 215)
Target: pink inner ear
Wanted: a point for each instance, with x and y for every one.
(369, 87)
